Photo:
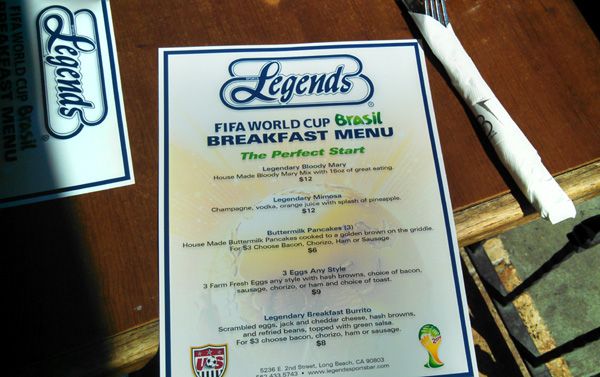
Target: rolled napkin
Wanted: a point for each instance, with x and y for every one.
(514, 150)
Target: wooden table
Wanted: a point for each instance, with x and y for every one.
(82, 276)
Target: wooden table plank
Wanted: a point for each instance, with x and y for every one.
(504, 212)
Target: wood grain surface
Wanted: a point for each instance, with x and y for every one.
(82, 271)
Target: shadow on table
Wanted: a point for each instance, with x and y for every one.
(494, 358)
(53, 300)
(150, 370)
(591, 16)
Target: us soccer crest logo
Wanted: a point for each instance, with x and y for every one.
(209, 360)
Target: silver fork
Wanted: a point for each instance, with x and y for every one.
(432, 8)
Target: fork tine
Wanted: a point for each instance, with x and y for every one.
(445, 20)
(437, 11)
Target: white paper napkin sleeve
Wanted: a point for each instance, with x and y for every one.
(512, 147)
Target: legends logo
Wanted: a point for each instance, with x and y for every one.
(259, 83)
(72, 73)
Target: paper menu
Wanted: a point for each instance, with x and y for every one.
(62, 118)
(304, 224)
